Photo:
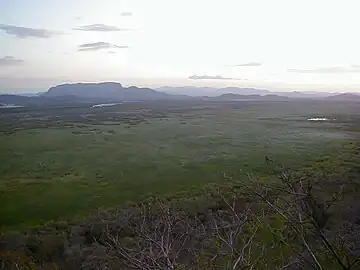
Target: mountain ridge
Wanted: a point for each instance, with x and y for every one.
(105, 91)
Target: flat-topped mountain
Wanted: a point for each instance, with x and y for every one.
(105, 91)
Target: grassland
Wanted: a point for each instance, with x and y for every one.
(60, 163)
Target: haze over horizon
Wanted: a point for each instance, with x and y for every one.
(278, 45)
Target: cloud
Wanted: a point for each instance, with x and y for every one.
(99, 46)
(328, 70)
(10, 61)
(207, 77)
(249, 64)
(100, 28)
(126, 14)
(25, 32)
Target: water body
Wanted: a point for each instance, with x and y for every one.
(105, 105)
(10, 106)
(318, 119)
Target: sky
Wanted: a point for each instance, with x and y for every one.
(274, 44)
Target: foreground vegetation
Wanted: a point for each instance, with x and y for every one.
(304, 219)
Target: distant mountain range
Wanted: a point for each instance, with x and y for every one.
(213, 92)
(231, 96)
(114, 92)
(345, 97)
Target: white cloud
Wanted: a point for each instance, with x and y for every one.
(10, 61)
(99, 46)
(100, 28)
(207, 77)
(126, 14)
(249, 64)
(25, 32)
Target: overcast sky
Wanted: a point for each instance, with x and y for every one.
(277, 44)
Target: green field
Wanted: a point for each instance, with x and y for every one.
(66, 162)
